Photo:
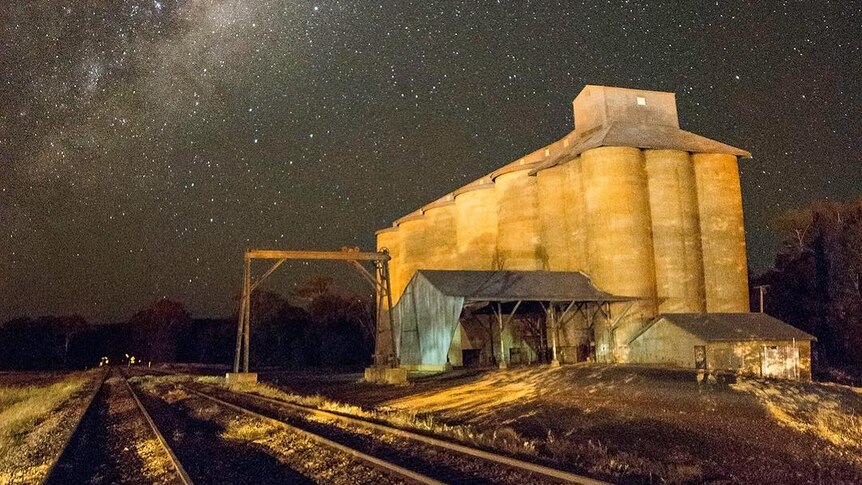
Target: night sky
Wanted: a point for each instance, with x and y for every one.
(145, 143)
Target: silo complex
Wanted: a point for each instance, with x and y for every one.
(644, 208)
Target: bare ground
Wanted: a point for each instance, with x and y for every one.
(633, 424)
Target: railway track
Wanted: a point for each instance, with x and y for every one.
(211, 435)
(116, 441)
(441, 460)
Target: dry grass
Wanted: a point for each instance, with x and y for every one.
(503, 438)
(23, 408)
(830, 412)
(29, 422)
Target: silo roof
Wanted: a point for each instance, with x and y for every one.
(640, 136)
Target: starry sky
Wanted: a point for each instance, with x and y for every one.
(145, 143)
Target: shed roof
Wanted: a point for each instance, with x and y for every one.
(731, 326)
(518, 286)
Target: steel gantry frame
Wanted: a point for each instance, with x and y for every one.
(380, 282)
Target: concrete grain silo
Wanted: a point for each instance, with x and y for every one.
(518, 243)
(554, 205)
(476, 221)
(619, 234)
(561, 216)
(722, 232)
(440, 234)
(676, 231)
(414, 250)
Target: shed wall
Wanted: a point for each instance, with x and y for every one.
(746, 357)
(666, 344)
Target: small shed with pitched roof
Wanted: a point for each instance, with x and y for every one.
(741, 343)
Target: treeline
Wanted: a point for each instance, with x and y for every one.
(322, 328)
(816, 282)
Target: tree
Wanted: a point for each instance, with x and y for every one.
(157, 330)
(816, 283)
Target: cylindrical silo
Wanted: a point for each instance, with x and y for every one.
(719, 198)
(476, 220)
(676, 232)
(619, 239)
(576, 220)
(553, 204)
(411, 229)
(441, 234)
(390, 239)
(518, 242)
(561, 216)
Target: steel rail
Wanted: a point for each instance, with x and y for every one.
(89, 403)
(181, 472)
(466, 450)
(376, 462)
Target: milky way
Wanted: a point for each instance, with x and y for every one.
(144, 144)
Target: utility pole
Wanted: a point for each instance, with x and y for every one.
(762, 289)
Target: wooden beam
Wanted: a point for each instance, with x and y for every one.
(349, 255)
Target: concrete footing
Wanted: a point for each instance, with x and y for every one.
(386, 375)
(241, 377)
(555, 363)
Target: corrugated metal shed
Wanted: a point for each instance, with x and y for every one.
(427, 315)
(712, 327)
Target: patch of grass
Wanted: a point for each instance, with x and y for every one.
(253, 431)
(504, 438)
(23, 408)
(830, 412)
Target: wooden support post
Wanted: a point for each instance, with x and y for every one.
(502, 363)
(552, 316)
(387, 286)
(247, 315)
